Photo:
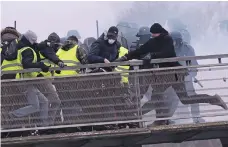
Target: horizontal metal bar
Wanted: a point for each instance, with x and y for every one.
(108, 73)
(131, 63)
(70, 126)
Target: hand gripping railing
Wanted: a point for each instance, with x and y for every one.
(130, 63)
(100, 98)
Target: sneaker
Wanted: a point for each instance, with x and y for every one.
(220, 102)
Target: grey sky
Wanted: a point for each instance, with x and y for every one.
(46, 17)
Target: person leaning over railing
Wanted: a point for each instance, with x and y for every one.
(9, 41)
(73, 53)
(27, 57)
(107, 49)
(47, 52)
(161, 46)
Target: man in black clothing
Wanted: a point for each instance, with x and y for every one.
(48, 49)
(105, 48)
(161, 46)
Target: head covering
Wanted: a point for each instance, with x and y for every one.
(176, 35)
(143, 31)
(9, 33)
(73, 33)
(156, 28)
(53, 37)
(31, 36)
(73, 38)
(112, 31)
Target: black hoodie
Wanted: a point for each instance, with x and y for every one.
(158, 47)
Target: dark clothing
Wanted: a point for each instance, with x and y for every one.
(158, 47)
(159, 102)
(53, 37)
(27, 55)
(101, 49)
(48, 52)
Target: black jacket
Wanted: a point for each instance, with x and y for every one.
(101, 49)
(158, 47)
(48, 52)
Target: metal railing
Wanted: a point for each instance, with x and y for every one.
(100, 98)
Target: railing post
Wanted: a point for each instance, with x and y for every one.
(137, 94)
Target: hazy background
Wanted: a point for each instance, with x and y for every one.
(200, 17)
(60, 16)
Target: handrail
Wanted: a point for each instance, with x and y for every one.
(130, 63)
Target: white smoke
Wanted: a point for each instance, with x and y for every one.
(201, 19)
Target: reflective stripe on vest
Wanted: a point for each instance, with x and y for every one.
(69, 56)
(19, 60)
(48, 63)
(11, 65)
(124, 76)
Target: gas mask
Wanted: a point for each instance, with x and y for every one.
(111, 41)
(69, 44)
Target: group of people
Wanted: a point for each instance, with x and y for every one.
(23, 49)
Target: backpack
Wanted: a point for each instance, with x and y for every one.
(9, 49)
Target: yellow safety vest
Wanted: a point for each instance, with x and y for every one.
(19, 58)
(16, 64)
(68, 55)
(124, 78)
(11, 65)
(48, 63)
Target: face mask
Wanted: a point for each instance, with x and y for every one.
(111, 41)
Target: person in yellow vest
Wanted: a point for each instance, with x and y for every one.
(47, 51)
(72, 54)
(9, 40)
(124, 69)
(37, 101)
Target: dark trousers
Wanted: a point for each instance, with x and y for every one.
(160, 81)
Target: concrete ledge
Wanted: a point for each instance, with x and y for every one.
(150, 135)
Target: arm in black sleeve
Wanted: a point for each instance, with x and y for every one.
(167, 51)
(144, 49)
(93, 56)
(27, 59)
(48, 52)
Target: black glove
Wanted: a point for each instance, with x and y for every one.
(146, 61)
(121, 59)
(58, 71)
(61, 64)
(44, 67)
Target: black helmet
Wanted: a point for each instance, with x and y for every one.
(143, 31)
(177, 38)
